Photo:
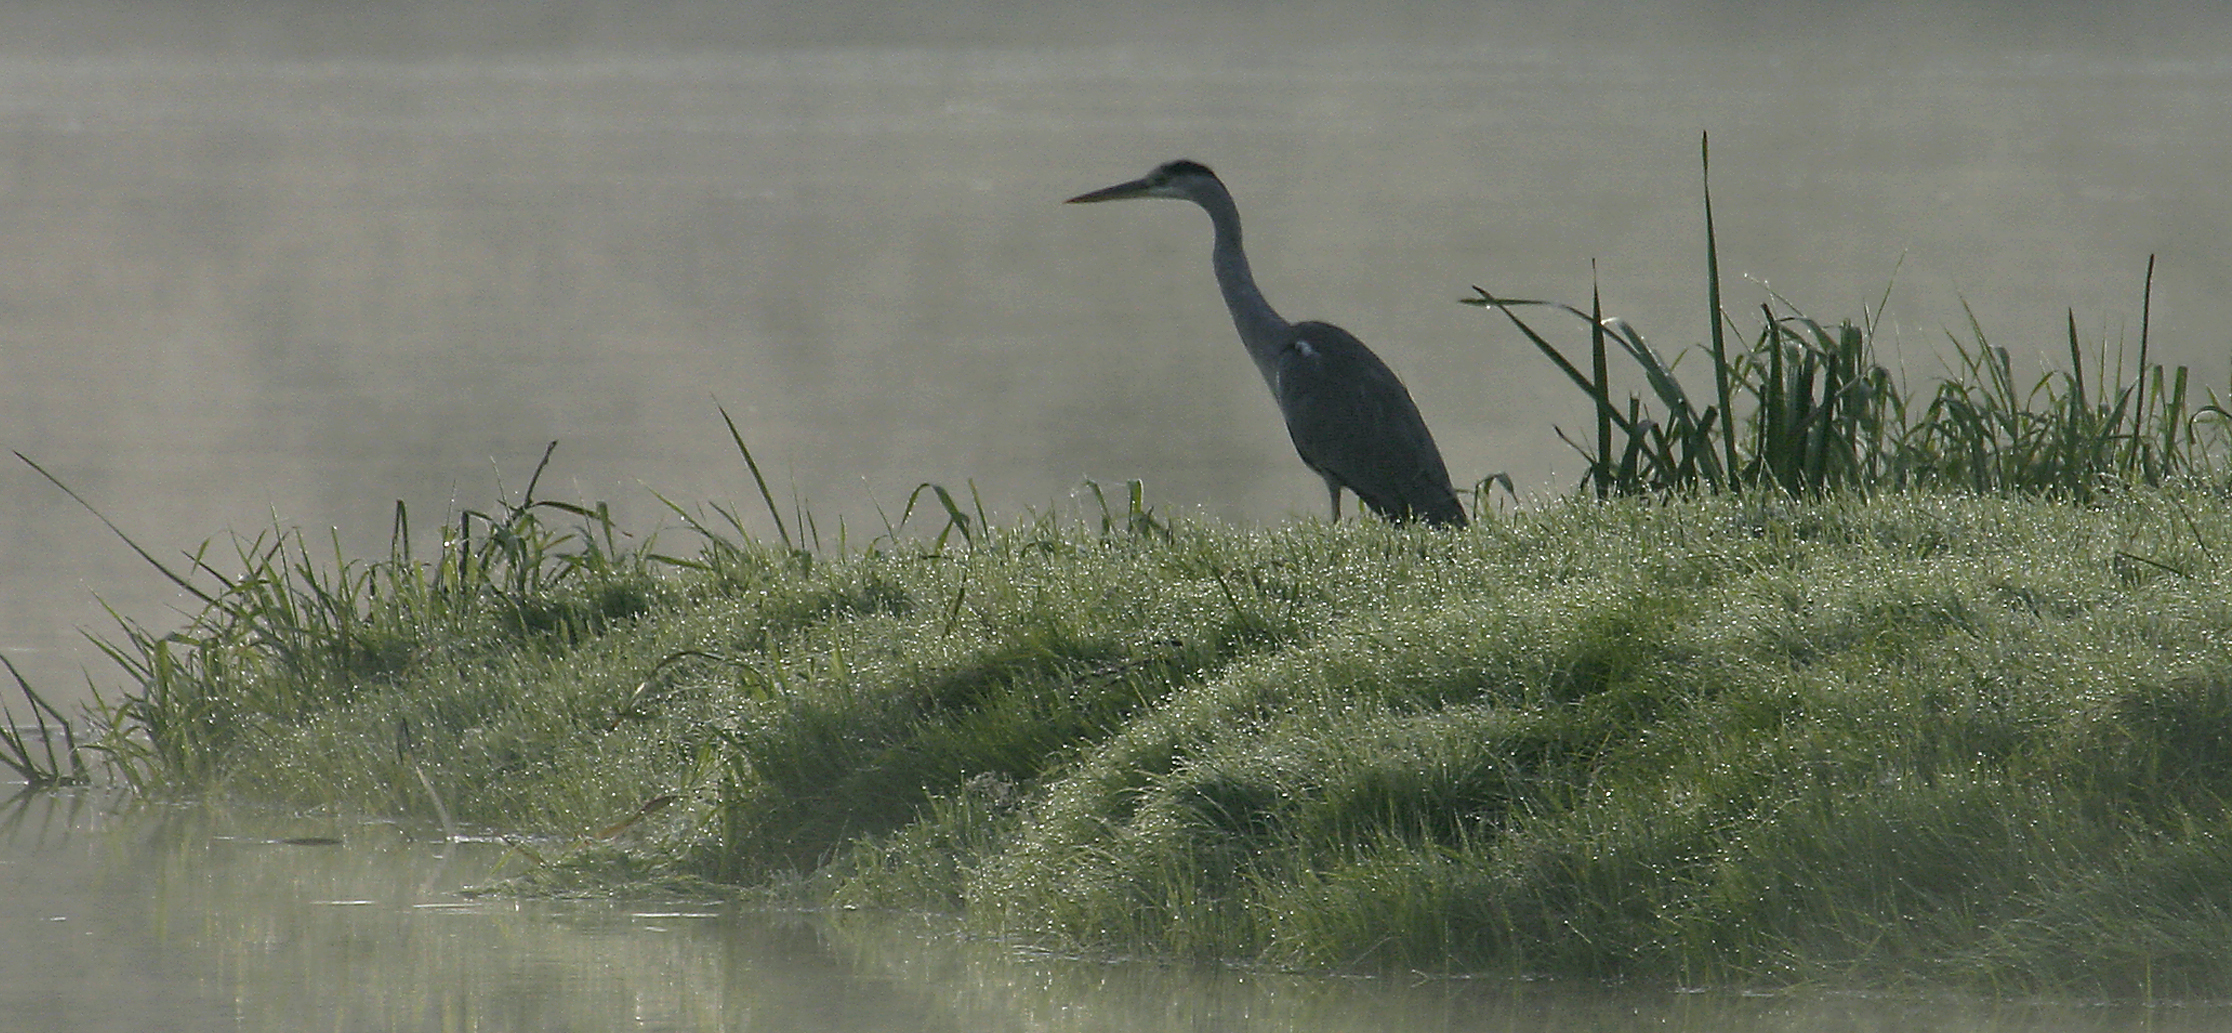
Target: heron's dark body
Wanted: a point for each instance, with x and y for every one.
(1354, 423)
(1350, 418)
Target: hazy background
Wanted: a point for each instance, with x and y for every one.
(303, 260)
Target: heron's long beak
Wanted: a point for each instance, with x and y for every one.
(1135, 188)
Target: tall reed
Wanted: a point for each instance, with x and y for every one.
(1817, 411)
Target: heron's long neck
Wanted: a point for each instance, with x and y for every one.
(1261, 329)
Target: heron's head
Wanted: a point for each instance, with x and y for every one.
(1181, 179)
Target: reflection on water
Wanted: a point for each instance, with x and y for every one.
(182, 918)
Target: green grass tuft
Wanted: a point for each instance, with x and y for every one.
(1808, 408)
(29, 750)
(1753, 740)
(1819, 681)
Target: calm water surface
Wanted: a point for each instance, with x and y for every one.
(184, 919)
(280, 261)
(295, 261)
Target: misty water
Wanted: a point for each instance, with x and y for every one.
(282, 263)
(186, 918)
(301, 263)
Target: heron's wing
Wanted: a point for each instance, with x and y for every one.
(1354, 422)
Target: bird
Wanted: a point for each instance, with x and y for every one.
(1351, 419)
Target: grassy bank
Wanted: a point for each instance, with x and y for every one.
(1820, 679)
(1971, 740)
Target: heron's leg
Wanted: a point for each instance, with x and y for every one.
(1333, 491)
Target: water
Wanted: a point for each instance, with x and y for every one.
(185, 919)
(283, 262)
(295, 261)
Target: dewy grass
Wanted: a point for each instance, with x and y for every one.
(1807, 408)
(31, 750)
(1822, 683)
(1845, 740)
(1821, 743)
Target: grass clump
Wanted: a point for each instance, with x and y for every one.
(30, 750)
(1756, 741)
(1806, 407)
(1723, 781)
(1820, 684)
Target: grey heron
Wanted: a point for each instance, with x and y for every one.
(1350, 419)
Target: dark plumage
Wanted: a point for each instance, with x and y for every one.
(1350, 418)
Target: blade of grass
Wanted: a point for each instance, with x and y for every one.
(769, 496)
(16, 753)
(174, 577)
(1713, 301)
(1602, 472)
(2146, 312)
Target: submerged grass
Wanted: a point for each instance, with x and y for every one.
(1758, 741)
